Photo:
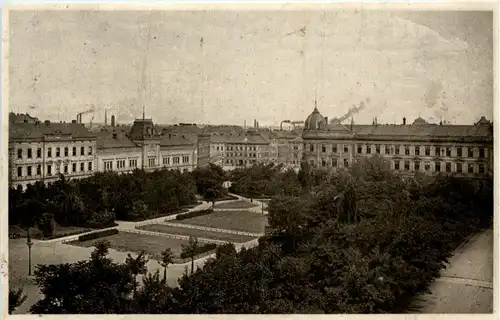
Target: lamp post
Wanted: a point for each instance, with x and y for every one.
(29, 243)
(262, 203)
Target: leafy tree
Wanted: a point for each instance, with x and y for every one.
(47, 224)
(137, 265)
(211, 195)
(191, 250)
(167, 258)
(16, 299)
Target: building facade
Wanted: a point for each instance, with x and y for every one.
(41, 151)
(458, 150)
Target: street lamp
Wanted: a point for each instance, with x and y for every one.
(29, 243)
(262, 207)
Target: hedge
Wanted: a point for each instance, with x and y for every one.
(202, 249)
(98, 234)
(193, 214)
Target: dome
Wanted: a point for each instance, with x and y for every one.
(315, 121)
(419, 122)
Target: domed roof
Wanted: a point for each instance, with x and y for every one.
(419, 122)
(315, 121)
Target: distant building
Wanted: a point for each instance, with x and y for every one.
(22, 118)
(459, 150)
(41, 151)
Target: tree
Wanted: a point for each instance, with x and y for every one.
(211, 195)
(167, 258)
(47, 224)
(191, 250)
(16, 299)
(137, 265)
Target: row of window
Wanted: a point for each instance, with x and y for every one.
(240, 162)
(132, 163)
(29, 171)
(247, 155)
(406, 150)
(58, 150)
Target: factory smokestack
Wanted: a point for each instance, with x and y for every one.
(113, 120)
(106, 117)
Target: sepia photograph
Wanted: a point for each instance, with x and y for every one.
(252, 159)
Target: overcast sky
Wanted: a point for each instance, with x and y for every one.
(232, 66)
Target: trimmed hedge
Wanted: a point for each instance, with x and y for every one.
(202, 249)
(193, 214)
(98, 234)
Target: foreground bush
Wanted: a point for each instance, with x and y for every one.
(199, 250)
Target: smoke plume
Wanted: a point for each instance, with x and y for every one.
(352, 111)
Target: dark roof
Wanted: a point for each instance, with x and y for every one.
(114, 139)
(239, 139)
(143, 129)
(175, 140)
(421, 130)
(37, 131)
(21, 118)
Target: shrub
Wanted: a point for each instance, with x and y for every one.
(193, 214)
(98, 234)
(201, 249)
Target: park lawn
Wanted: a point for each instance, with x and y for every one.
(233, 220)
(60, 231)
(238, 204)
(197, 233)
(133, 242)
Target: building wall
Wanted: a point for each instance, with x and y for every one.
(31, 161)
(119, 159)
(203, 150)
(245, 154)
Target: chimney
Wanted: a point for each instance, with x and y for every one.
(73, 121)
(326, 119)
(113, 120)
(106, 117)
(404, 121)
(47, 122)
(114, 136)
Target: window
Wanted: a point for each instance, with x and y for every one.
(82, 151)
(29, 171)
(481, 153)
(407, 165)
(448, 152)
(65, 151)
(49, 152)
(39, 169)
(407, 150)
(471, 152)
(396, 165)
(39, 152)
(108, 165)
(19, 171)
(437, 151)
(90, 151)
(417, 150)
(481, 168)
(151, 162)
(120, 164)
(360, 149)
(312, 147)
(132, 163)
(387, 150)
(58, 152)
(74, 151)
(368, 149)
(185, 159)
(346, 148)
(437, 166)
(323, 163)
(459, 167)
(427, 166)
(82, 166)
(19, 153)
(49, 170)
(175, 160)
(30, 153)
(346, 163)
(448, 167)
(459, 152)
(377, 149)
(90, 166)
(74, 167)
(471, 168)
(166, 160)
(66, 169)
(323, 148)
(427, 151)
(417, 166)
(334, 162)
(334, 148)
(396, 149)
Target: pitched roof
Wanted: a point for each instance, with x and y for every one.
(421, 130)
(114, 139)
(239, 139)
(35, 131)
(175, 140)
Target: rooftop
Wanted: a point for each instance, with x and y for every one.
(39, 130)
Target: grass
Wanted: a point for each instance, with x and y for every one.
(197, 233)
(233, 220)
(239, 204)
(60, 231)
(159, 215)
(132, 242)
